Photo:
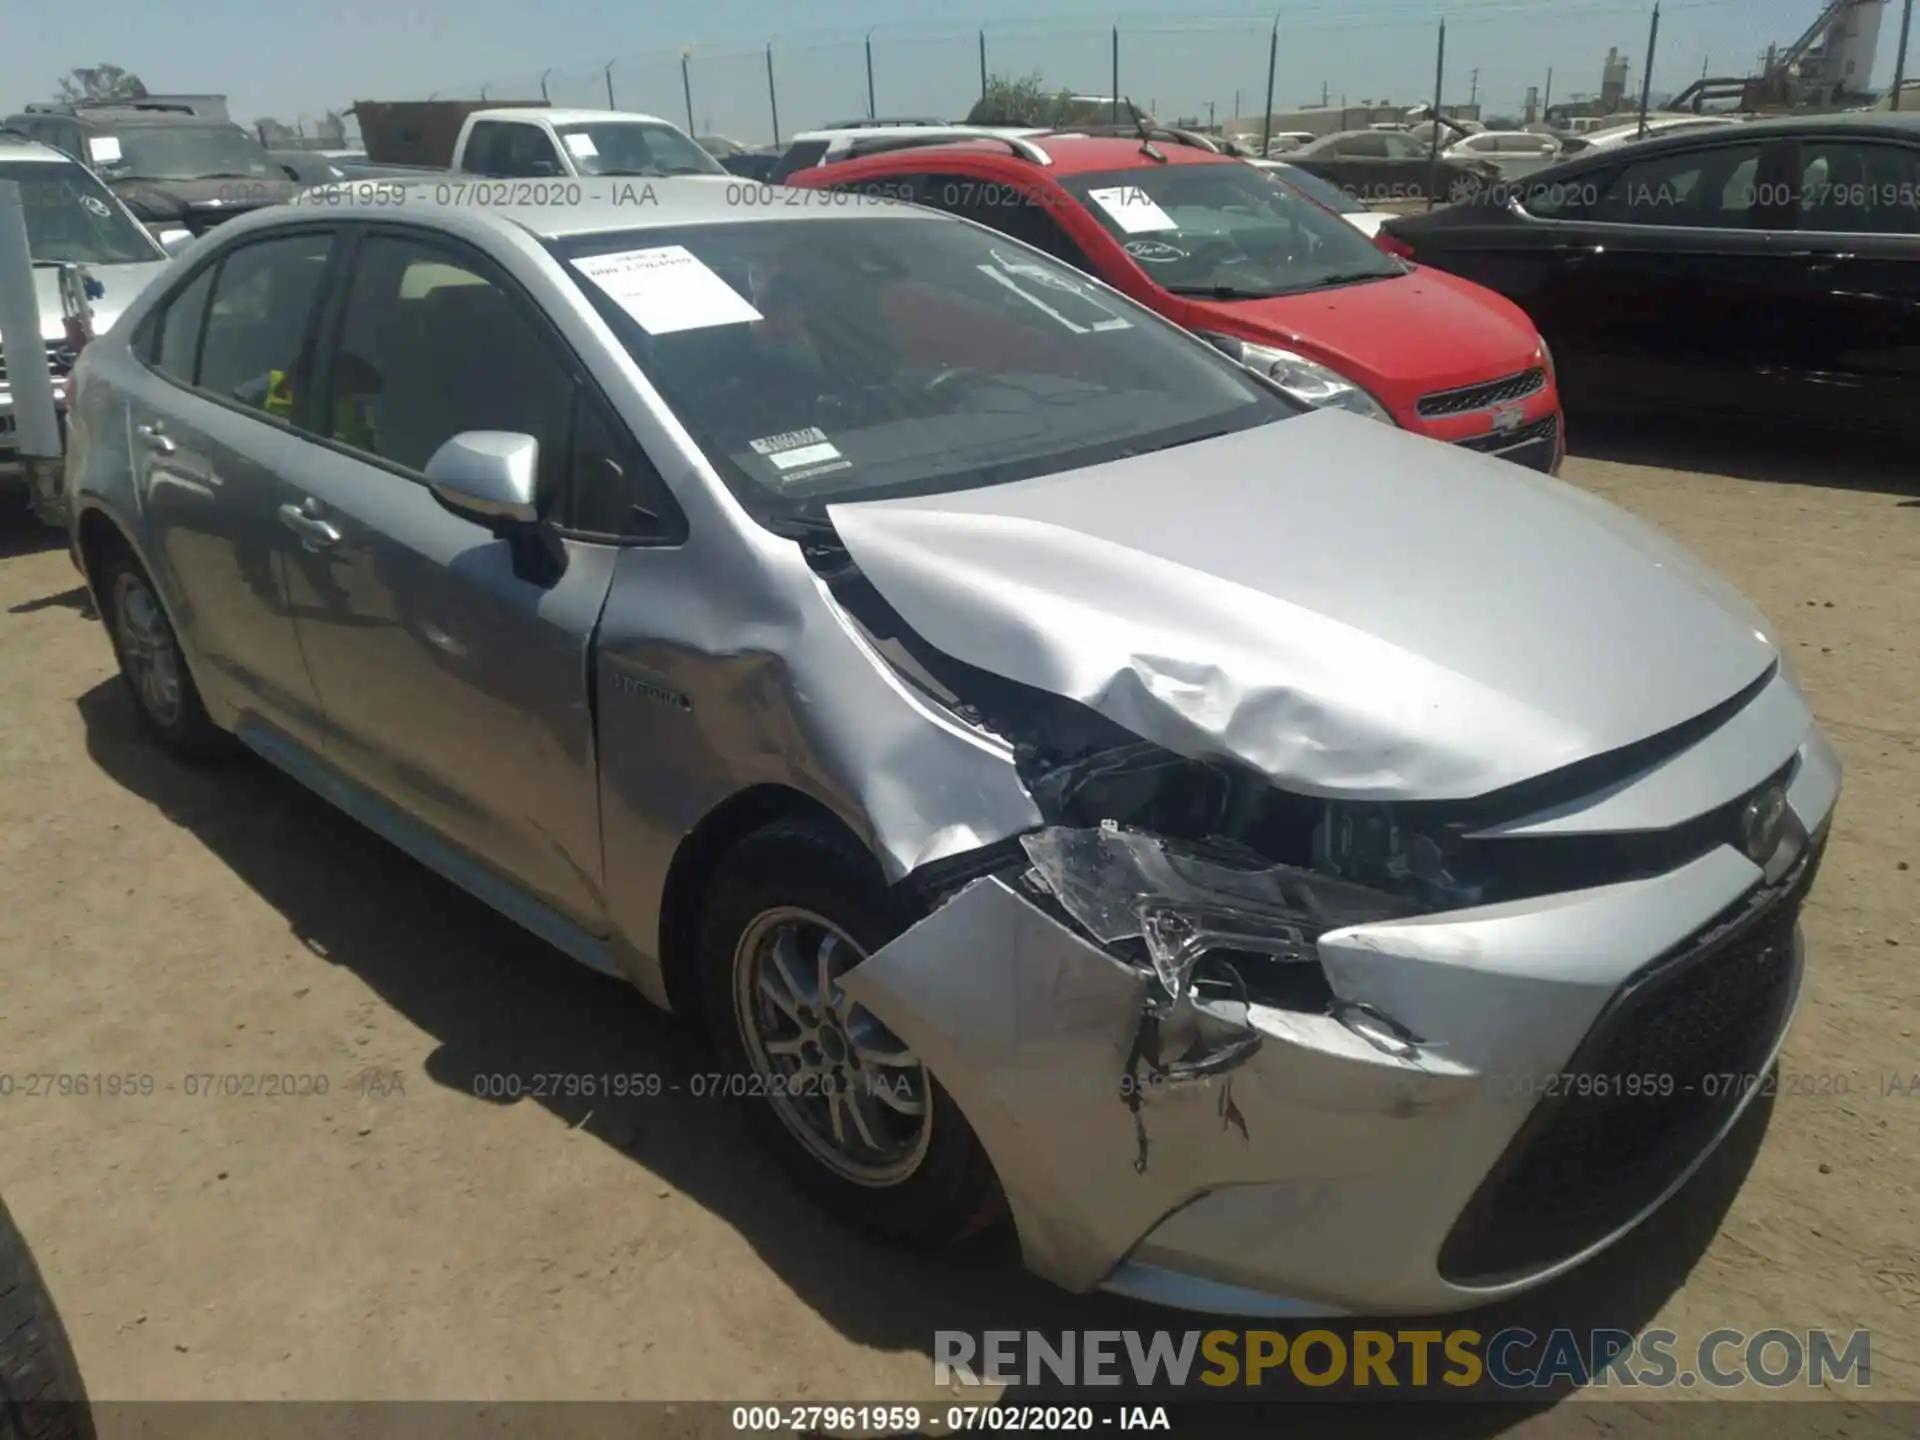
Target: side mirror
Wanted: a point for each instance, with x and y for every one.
(488, 477)
(291, 173)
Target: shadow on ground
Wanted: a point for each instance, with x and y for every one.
(21, 532)
(1781, 453)
(497, 1000)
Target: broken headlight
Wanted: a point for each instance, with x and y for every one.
(1186, 903)
(1372, 846)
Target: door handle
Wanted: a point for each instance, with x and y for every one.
(155, 439)
(314, 531)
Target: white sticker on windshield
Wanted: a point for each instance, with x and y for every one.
(104, 149)
(1132, 209)
(798, 448)
(581, 144)
(666, 289)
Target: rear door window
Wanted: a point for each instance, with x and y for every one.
(180, 325)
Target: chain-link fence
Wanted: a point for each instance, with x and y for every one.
(1325, 65)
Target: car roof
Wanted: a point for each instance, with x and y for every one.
(654, 204)
(567, 117)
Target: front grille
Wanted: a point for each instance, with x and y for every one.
(1532, 445)
(59, 359)
(1584, 1164)
(1483, 396)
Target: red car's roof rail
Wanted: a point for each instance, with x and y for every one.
(952, 135)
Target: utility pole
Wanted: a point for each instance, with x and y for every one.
(871, 112)
(686, 88)
(610, 104)
(1439, 87)
(1473, 95)
(983, 64)
(773, 100)
(1209, 115)
(1900, 55)
(1236, 104)
(1266, 117)
(1116, 74)
(1547, 99)
(1646, 76)
(1323, 95)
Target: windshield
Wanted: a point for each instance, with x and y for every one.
(635, 147)
(855, 358)
(1315, 188)
(181, 152)
(70, 216)
(1226, 231)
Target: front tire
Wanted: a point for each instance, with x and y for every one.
(1464, 189)
(847, 1108)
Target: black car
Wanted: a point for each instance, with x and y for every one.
(170, 166)
(1378, 165)
(1770, 269)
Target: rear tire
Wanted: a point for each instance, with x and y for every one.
(41, 1394)
(1463, 189)
(165, 698)
(794, 904)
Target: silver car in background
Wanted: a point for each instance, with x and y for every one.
(1282, 863)
(71, 219)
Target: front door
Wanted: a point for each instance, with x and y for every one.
(1667, 291)
(210, 435)
(455, 676)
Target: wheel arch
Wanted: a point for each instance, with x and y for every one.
(697, 859)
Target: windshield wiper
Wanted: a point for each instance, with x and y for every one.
(1223, 292)
(804, 527)
(1348, 277)
(230, 175)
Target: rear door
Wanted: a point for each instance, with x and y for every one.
(1855, 342)
(457, 670)
(210, 421)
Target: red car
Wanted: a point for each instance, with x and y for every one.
(1267, 274)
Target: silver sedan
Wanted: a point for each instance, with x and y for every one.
(1276, 862)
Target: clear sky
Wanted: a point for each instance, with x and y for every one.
(294, 60)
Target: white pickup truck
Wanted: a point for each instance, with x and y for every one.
(530, 142)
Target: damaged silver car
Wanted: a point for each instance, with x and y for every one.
(1284, 864)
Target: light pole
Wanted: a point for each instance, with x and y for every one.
(543, 85)
(773, 100)
(609, 75)
(686, 87)
(871, 112)
(1273, 60)
(1900, 55)
(1646, 77)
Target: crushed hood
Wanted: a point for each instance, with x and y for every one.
(1349, 609)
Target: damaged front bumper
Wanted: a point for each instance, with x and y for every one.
(1492, 1096)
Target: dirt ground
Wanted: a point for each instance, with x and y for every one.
(398, 1237)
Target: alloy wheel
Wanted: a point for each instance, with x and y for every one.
(843, 1084)
(148, 653)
